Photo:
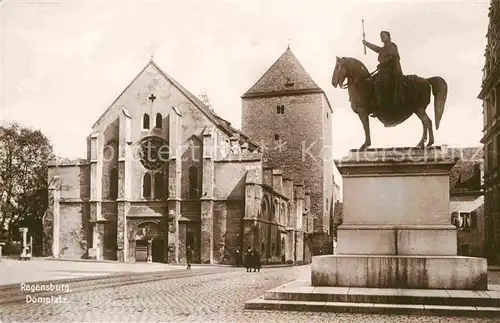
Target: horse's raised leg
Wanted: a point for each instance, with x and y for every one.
(365, 120)
(426, 127)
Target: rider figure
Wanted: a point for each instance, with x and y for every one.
(388, 80)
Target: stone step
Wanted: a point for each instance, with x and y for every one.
(302, 291)
(372, 308)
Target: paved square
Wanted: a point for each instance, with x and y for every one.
(217, 297)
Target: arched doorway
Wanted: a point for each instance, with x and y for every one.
(149, 242)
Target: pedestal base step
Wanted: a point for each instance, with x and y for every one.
(409, 272)
(370, 308)
(301, 296)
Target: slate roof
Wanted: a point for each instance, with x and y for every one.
(286, 75)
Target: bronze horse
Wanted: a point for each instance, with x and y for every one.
(416, 92)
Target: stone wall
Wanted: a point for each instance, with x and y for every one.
(68, 209)
(72, 236)
(301, 127)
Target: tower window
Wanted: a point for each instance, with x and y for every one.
(193, 182)
(145, 122)
(146, 186)
(159, 186)
(327, 115)
(280, 109)
(113, 184)
(276, 137)
(159, 120)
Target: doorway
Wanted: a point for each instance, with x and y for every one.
(141, 250)
(158, 250)
(193, 241)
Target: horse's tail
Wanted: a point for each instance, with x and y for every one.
(440, 92)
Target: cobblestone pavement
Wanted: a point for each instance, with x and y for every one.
(213, 298)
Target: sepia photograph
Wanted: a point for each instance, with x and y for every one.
(249, 161)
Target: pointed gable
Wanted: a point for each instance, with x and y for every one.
(285, 76)
(218, 121)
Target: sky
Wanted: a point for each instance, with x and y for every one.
(64, 62)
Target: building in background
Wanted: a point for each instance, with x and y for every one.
(164, 172)
(490, 94)
(467, 200)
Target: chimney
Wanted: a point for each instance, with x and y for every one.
(277, 181)
(299, 205)
(268, 176)
(288, 188)
(235, 144)
(307, 200)
(244, 148)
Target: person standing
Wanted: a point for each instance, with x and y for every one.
(238, 258)
(256, 260)
(248, 260)
(189, 257)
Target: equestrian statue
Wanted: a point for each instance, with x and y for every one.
(387, 94)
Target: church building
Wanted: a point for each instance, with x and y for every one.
(163, 172)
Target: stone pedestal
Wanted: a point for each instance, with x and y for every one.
(396, 229)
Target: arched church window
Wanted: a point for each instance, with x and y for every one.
(193, 182)
(159, 186)
(264, 209)
(159, 121)
(145, 121)
(283, 214)
(146, 186)
(113, 184)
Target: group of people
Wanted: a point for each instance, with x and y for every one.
(251, 259)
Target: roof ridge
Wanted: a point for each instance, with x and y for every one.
(121, 93)
(286, 68)
(203, 107)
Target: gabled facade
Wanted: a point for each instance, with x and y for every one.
(164, 172)
(289, 115)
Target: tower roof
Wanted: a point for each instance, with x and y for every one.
(285, 76)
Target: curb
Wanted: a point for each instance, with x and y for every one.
(167, 264)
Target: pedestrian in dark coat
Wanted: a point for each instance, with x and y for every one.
(248, 260)
(256, 260)
(238, 258)
(189, 257)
